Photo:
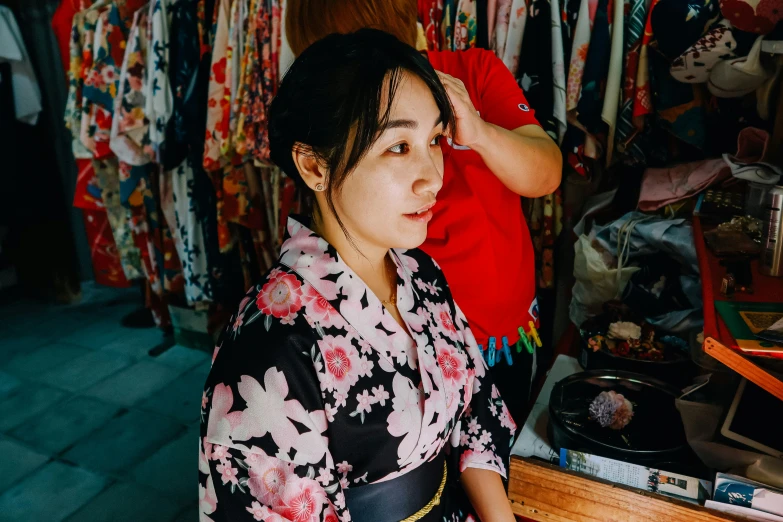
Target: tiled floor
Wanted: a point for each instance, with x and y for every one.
(92, 428)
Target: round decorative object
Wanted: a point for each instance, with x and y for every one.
(577, 417)
(611, 410)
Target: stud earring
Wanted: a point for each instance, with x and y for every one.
(319, 187)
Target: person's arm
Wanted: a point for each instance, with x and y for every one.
(524, 159)
(486, 432)
(487, 495)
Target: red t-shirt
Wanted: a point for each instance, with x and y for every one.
(478, 234)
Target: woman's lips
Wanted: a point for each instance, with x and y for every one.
(423, 217)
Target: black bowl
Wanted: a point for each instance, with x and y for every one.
(654, 437)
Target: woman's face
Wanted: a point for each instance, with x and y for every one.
(385, 202)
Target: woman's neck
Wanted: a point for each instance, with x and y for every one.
(366, 260)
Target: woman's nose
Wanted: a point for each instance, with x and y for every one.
(430, 176)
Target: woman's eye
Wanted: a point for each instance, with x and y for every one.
(436, 140)
(402, 148)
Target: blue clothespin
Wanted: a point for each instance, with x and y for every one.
(491, 352)
(524, 341)
(482, 352)
(507, 351)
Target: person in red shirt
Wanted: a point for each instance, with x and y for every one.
(496, 153)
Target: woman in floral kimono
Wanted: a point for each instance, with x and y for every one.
(348, 386)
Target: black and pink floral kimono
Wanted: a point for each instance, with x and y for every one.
(315, 388)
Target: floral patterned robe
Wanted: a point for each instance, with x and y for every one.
(315, 388)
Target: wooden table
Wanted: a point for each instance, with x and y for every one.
(543, 492)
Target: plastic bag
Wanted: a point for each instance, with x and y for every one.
(596, 283)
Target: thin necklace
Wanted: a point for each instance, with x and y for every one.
(393, 298)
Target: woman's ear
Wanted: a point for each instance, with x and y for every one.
(313, 173)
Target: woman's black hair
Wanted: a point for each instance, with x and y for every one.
(331, 102)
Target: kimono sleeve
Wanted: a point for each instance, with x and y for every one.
(264, 454)
(486, 429)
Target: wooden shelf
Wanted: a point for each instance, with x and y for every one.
(718, 342)
(543, 492)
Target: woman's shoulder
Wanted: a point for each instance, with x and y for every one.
(269, 327)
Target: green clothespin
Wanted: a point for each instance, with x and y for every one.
(524, 341)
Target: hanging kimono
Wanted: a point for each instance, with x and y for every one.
(498, 43)
(579, 48)
(514, 35)
(219, 91)
(642, 104)
(614, 76)
(558, 73)
(534, 73)
(626, 131)
(596, 67)
(447, 25)
(465, 26)
(340, 395)
(430, 14)
(159, 103)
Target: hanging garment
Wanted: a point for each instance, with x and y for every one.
(465, 25)
(62, 25)
(27, 94)
(753, 16)
(191, 243)
(569, 19)
(430, 15)
(579, 49)
(501, 27)
(108, 174)
(642, 103)
(219, 91)
(545, 218)
(159, 104)
(515, 35)
(534, 74)
(245, 50)
(185, 127)
(265, 80)
(558, 73)
(130, 123)
(90, 22)
(595, 73)
(228, 122)
(611, 100)
(286, 54)
(364, 374)
(492, 13)
(74, 102)
(626, 131)
(106, 266)
(447, 25)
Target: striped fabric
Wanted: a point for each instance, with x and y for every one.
(626, 131)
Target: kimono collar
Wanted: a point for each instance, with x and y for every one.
(319, 264)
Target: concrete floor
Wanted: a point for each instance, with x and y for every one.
(92, 428)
